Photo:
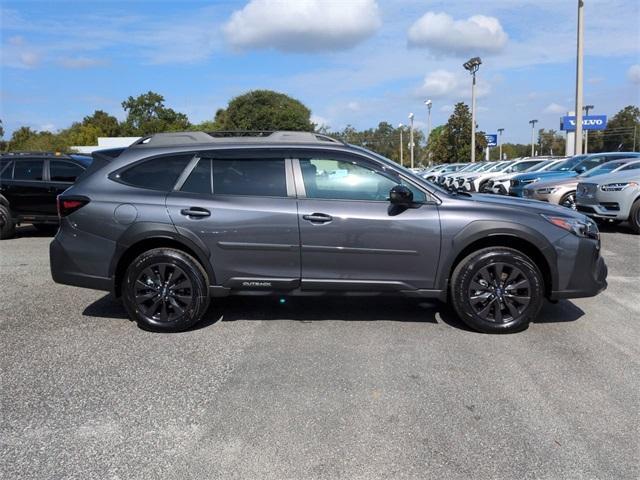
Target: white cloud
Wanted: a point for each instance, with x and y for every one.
(47, 127)
(446, 84)
(81, 62)
(633, 74)
(442, 34)
(555, 108)
(319, 120)
(303, 25)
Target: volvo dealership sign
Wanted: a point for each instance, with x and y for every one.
(492, 139)
(589, 122)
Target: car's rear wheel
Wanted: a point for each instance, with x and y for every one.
(634, 216)
(7, 227)
(569, 200)
(497, 290)
(165, 290)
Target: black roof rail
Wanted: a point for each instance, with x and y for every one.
(278, 136)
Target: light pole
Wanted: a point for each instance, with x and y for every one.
(533, 132)
(411, 137)
(428, 103)
(500, 130)
(579, 61)
(586, 132)
(401, 126)
(472, 65)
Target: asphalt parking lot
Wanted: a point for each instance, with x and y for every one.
(315, 388)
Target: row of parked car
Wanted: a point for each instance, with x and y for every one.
(605, 186)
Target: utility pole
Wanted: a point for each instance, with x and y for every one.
(579, 72)
(533, 133)
(500, 130)
(411, 138)
(401, 126)
(428, 103)
(586, 132)
(472, 66)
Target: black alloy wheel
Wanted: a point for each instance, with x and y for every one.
(497, 290)
(165, 290)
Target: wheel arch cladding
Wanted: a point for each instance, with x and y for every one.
(143, 239)
(482, 234)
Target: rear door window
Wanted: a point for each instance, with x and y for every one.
(159, 173)
(28, 170)
(6, 170)
(200, 179)
(66, 172)
(262, 177)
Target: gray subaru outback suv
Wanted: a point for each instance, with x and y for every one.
(178, 219)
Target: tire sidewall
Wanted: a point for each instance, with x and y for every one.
(634, 215)
(7, 227)
(191, 268)
(469, 266)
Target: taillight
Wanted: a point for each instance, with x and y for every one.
(68, 205)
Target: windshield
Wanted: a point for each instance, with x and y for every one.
(524, 166)
(550, 166)
(568, 164)
(500, 166)
(539, 166)
(603, 168)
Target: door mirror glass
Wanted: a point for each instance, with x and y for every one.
(581, 169)
(401, 195)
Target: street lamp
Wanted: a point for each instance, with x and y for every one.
(401, 126)
(472, 65)
(428, 103)
(579, 78)
(533, 131)
(500, 130)
(586, 132)
(411, 137)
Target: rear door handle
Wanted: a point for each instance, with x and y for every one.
(318, 218)
(197, 212)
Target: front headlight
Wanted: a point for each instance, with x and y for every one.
(581, 228)
(547, 190)
(617, 187)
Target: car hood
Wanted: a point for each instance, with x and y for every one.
(530, 206)
(557, 182)
(618, 177)
(543, 176)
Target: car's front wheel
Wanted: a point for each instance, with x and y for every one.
(497, 290)
(569, 200)
(166, 290)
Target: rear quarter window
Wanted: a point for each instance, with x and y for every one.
(160, 173)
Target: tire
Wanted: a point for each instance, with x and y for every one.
(504, 308)
(634, 217)
(7, 227)
(160, 306)
(46, 228)
(568, 200)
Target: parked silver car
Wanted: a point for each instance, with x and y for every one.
(615, 197)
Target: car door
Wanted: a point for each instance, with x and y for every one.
(27, 192)
(351, 237)
(62, 174)
(242, 206)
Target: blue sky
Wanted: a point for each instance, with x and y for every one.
(351, 61)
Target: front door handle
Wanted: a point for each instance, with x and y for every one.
(318, 218)
(197, 212)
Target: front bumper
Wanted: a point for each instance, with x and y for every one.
(586, 274)
(606, 205)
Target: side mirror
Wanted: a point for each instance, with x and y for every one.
(581, 169)
(401, 195)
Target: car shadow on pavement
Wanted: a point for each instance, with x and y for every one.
(348, 309)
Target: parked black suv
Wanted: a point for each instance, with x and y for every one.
(177, 219)
(29, 185)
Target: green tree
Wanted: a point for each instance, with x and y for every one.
(621, 130)
(550, 142)
(453, 143)
(264, 110)
(107, 125)
(24, 138)
(146, 114)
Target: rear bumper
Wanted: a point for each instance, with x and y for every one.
(65, 271)
(589, 275)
